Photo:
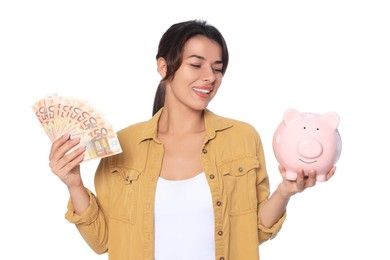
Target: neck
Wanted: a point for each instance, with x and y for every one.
(180, 121)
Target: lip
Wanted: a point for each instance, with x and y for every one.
(199, 90)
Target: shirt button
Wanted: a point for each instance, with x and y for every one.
(220, 233)
(222, 258)
(204, 150)
(219, 203)
(212, 176)
(240, 169)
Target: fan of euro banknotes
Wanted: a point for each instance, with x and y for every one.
(60, 115)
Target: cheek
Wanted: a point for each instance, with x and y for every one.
(186, 77)
(218, 81)
(179, 79)
(216, 88)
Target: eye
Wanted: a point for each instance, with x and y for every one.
(218, 70)
(195, 65)
(304, 127)
(318, 129)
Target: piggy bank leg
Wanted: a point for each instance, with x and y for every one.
(290, 175)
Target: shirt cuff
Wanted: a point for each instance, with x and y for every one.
(88, 216)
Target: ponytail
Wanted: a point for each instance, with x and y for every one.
(159, 98)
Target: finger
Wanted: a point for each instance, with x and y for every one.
(282, 171)
(62, 155)
(66, 163)
(300, 182)
(311, 179)
(75, 161)
(64, 149)
(57, 143)
(331, 173)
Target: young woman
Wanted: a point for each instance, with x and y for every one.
(189, 184)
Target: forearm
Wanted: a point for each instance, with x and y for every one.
(80, 198)
(274, 208)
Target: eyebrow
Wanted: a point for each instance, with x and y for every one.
(203, 58)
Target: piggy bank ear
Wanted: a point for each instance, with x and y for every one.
(332, 119)
(291, 115)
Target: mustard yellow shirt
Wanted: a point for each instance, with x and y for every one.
(119, 219)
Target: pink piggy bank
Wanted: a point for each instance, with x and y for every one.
(307, 141)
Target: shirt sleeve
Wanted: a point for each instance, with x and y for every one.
(92, 223)
(263, 193)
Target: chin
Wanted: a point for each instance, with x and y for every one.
(198, 107)
(203, 106)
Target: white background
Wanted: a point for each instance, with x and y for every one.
(315, 56)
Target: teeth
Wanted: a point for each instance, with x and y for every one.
(202, 90)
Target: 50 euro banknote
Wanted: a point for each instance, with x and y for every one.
(67, 115)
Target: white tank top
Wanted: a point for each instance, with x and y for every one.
(184, 220)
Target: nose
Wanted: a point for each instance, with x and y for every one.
(208, 75)
(310, 148)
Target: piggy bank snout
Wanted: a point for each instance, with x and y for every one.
(310, 148)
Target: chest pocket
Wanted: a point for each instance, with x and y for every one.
(239, 176)
(124, 195)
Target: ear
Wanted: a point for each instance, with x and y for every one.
(332, 118)
(291, 115)
(162, 67)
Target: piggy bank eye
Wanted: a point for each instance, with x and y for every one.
(318, 129)
(304, 127)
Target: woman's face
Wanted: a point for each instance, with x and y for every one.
(199, 76)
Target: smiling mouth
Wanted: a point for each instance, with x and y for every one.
(308, 162)
(204, 91)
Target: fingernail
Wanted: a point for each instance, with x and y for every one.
(66, 137)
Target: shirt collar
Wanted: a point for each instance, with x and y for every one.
(213, 124)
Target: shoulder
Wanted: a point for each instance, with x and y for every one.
(237, 138)
(244, 126)
(134, 134)
(130, 139)
(243, 130)
(142, 130)
(133, 129)
(231, 129)
(233, 125)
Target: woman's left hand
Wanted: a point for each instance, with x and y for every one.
(291, 187)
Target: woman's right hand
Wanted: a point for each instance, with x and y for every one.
(64, 164)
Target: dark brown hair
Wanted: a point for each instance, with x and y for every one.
(171, 49)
